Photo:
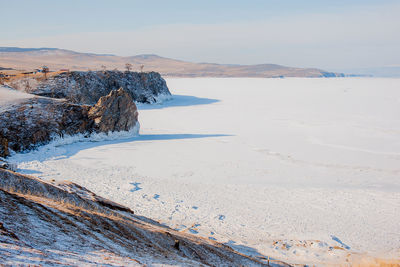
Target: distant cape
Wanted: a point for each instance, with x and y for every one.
(32, 58)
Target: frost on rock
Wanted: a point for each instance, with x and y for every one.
(39, 120)
(87, 87)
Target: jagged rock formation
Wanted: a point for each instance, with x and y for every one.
(114, 112)
(37, 120)
(87, 87)
(64, 223)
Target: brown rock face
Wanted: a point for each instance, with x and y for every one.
(3, 147)
(37, 121)
(114, 112)
(86, 87)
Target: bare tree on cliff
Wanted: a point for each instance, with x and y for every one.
(141, 68)
(128, 67)
(104, 68)
(45, 70)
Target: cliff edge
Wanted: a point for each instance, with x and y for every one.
(86, 87)
(37, 120)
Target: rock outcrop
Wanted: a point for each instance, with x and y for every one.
(114, 112)
(38, 120)
(87, 87)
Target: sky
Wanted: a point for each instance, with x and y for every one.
(309, 33)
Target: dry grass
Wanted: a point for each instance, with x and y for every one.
(78, 217)
(71, 210)
(38, 76)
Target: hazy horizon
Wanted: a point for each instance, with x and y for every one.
(334, 36)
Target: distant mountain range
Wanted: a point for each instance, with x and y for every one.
(31, 58)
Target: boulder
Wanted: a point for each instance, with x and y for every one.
(114, 112)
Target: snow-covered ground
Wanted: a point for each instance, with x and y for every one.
(9, 97)
(302, 170)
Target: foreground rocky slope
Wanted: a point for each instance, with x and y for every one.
(35, 121)
(87, 87)
(65, 224)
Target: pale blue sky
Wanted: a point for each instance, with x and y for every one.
(328, 34)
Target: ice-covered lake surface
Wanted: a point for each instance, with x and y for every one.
(302, 170)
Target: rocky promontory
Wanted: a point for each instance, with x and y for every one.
(87, 87)
(35, 121)
(69, 103)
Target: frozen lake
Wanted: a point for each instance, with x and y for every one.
(303, 170)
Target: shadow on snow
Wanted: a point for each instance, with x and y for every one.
(252, 252)
(179, 101)
(70, 150)
(160, 137)
(73, 148)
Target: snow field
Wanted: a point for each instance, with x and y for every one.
(302, 170)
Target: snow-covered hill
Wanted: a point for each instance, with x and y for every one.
(10, 97)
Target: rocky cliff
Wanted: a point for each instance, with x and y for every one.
(75, 102)
(114, 112)
(87, 87)
(37, 120)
